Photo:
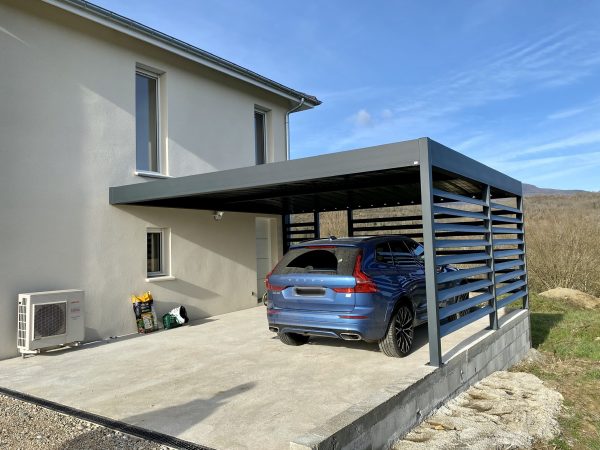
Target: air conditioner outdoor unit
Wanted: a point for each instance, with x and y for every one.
(49, 319)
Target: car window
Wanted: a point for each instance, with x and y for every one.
(415, 248)
(383, 253)
(330, 259)
(401, 254)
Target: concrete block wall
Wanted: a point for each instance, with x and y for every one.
(382, 419)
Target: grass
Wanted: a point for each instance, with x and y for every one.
(569, 339)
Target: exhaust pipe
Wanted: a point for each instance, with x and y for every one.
(350, 336)
(274, 329)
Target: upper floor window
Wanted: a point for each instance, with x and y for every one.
(147, 135)
(260, 136)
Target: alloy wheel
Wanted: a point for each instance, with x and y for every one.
(404, 332)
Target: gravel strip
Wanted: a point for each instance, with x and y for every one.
(25, 426)
(507, 410)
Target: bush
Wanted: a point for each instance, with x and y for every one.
(563, 242)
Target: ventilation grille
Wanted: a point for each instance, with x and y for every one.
(22, 324)
(49, 320)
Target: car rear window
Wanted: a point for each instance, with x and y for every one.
(330, 260)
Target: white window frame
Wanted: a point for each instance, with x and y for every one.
(265, 113)
(156, 75)
(165, 253)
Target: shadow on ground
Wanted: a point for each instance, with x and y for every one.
(180, 418)
(541, 325)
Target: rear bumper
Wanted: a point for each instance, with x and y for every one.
(361, 323)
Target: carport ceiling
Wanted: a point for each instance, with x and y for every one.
(385, 175)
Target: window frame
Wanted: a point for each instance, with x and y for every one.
(156, 76)
(389, 254)
(265, 116)
(165, 252)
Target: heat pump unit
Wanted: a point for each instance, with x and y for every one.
(49, 319)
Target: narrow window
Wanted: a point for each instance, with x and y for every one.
(146, 122)
(260, 136)
(157, 252)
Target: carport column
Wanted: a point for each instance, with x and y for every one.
(317, 227)
(487, 209)
(350, 216)
(433, 319)
(523, 247)
(285, 230)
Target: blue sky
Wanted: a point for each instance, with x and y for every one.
(513, 84)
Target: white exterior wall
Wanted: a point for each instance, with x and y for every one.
(67, 133)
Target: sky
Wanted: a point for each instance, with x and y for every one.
(514, 84)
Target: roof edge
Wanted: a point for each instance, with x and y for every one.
(147, 34)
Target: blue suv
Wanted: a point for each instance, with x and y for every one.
(359, 288)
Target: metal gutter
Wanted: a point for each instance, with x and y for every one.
(135, 29)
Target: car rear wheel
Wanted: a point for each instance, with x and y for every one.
(293, 338)
(398, 340)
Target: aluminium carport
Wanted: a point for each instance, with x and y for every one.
(471, 215)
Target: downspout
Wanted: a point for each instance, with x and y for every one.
(287, 126)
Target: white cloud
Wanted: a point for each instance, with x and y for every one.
(387, 113)
(362, 118)
(565, 113)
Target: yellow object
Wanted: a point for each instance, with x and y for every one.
(145, 297)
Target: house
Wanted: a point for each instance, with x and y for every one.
(89, 100)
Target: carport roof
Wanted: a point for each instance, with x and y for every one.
(384, 175)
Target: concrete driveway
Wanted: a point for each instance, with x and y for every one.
(225, 382)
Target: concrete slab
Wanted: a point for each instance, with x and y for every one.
(225, 382)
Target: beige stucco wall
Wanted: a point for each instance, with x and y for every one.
(67, 133)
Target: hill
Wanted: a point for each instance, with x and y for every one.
(529, 190)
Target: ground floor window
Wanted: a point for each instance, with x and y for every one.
(157, 250)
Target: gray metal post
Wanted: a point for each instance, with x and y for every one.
(523, 247)
(433, 320)
(285, 221)
(350, 216)
(317, 227)
(487, 197)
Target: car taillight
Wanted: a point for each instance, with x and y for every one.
(271, 287)
(364, 284)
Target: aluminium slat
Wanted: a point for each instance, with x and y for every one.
(498, 242)
(505, 253)
(457, 197)
(505, 208)
(388, 227)
(510, 287)
(452, 243)
(504, 230)
(388, 219)
(445, 277)
(496, 218)
(511, 298)
(297, 225)
(509, 276)
(464, 304)
(458, 212)
(297, 232)
(463, 258)
(454, 325)
(459, 228)
(509, 264)
(461, 289)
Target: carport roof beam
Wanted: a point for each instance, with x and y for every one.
(385, 175)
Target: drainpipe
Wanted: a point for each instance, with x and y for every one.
(287, 126)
